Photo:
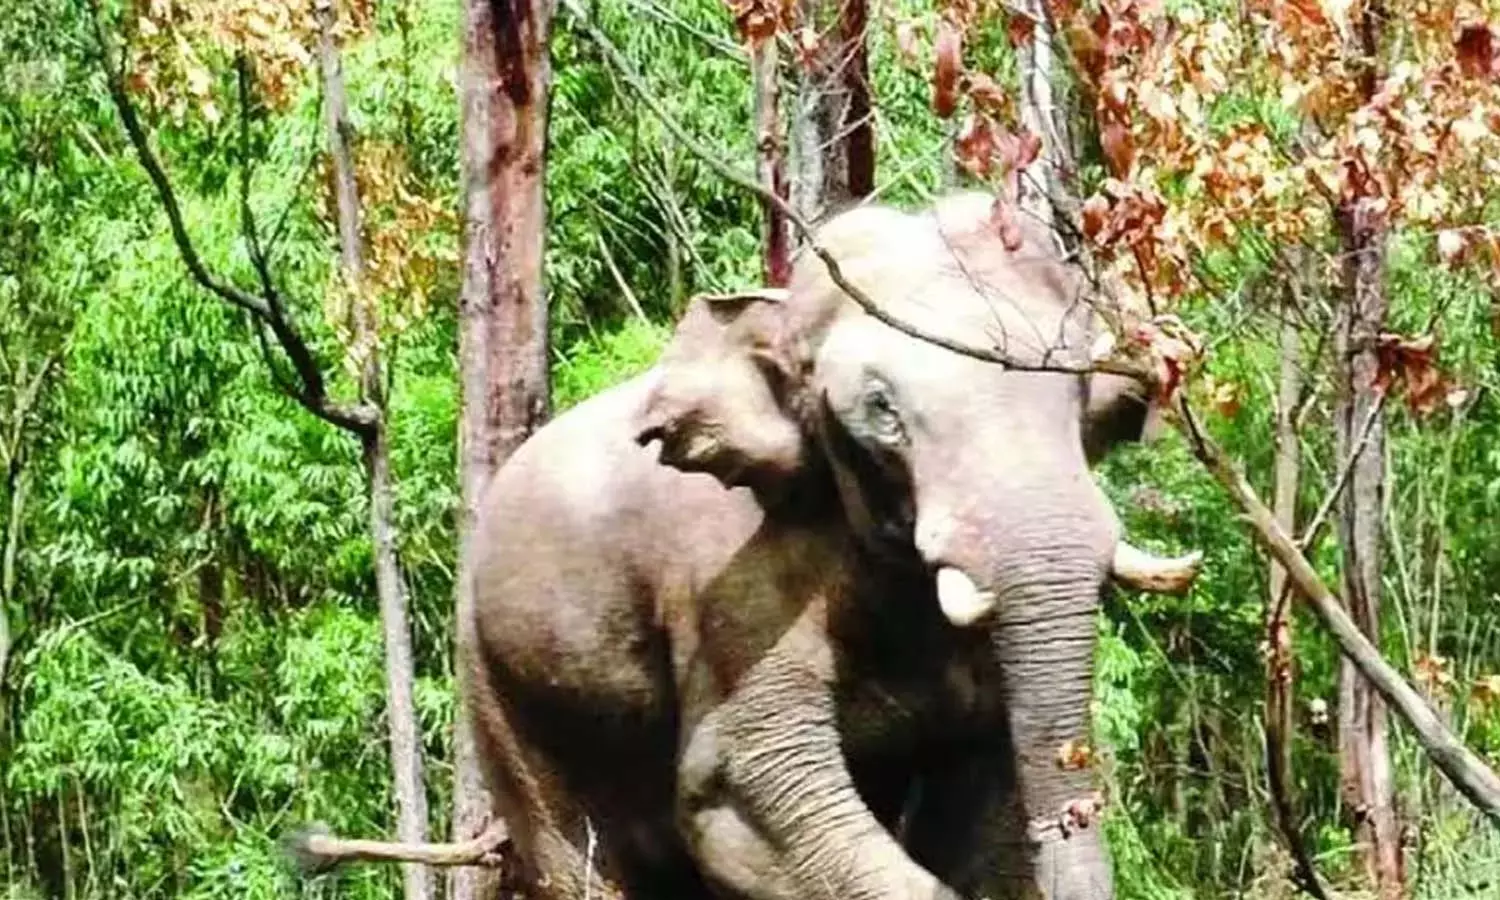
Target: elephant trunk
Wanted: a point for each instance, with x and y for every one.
(1043, 643)
(1027, 565)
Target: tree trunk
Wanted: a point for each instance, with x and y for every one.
(1280, 674)
(25, 390)
(405, 743)
(18, 481)
(503, 315)
(1045, 192)
(833, 140)
(770, 170)
(1364, 759)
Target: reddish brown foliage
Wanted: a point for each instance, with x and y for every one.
(949, 49)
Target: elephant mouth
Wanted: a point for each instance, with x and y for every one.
(883, 506)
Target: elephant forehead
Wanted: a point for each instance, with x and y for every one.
(1015, 317)
(1025, 315)
(859, 348)
(950, 274)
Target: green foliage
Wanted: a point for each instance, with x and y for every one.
(592, 364)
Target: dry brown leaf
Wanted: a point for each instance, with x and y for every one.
(1020, 28)
(949, 50)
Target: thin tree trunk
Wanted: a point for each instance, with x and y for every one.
(1364, 759)
(503, 314)
(1280, 674)
(770, 170)
(1045, 193)
(26, 391)
(676, 290)
(406, 745)
(390, 587)
(19, 482)
(833, 139)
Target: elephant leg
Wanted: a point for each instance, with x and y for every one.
(767, 800)
(966, 825)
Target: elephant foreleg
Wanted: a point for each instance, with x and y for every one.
(767, 800)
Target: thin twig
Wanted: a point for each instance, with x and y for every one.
(1310, 533)
(614, 271)
(661, 13)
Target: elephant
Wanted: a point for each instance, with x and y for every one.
(809, 607)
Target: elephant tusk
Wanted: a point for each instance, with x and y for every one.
(1135, 568)
(961, 599)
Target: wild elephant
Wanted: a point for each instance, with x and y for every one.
(808, 609)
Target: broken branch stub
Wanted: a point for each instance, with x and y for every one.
(315, 850)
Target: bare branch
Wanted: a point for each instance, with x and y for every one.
(115, 79)
(266, 309)
(657, 11)
(620, 282)
(247, 216)
(1320, 518)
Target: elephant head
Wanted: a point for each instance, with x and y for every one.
(979, 472)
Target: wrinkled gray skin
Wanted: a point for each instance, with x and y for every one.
(706, 636)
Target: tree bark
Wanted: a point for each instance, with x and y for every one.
(503, 314)
(770, 167)
(1364, 759)
(405, 741)
(833, 140)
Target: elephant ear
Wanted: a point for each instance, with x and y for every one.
(1119, 409)
(722, 399)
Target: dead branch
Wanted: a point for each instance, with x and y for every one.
(1466, 771)
(266, 308)
(620, 282)
(315, 850)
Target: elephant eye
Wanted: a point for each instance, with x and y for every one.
(881, 414)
